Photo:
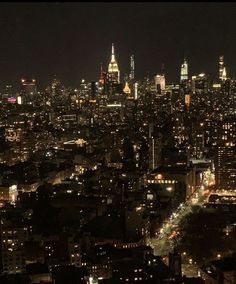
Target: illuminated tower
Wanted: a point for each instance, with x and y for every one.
(126, 89)
(224, 74)
(160, 83)
(28, 91)
(221, 66)
(113, 69)
(131, 75)
(135, 90)
(184, 71)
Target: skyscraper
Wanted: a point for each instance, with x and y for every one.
(224, 74)
(126, 89)
(184, 71)
(155, 147)
(136, 91)
(131, 75)
(28, 90)
(221, 66)
(225, 155)
(101, 79)
(160, 83)
(113, 69)
(200, 83)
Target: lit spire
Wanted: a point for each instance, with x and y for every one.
(113, 66)
(224, 74)
(221, 66)
(113, 53)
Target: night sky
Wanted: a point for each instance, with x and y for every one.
(71, 39)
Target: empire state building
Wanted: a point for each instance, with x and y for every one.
(113, 69)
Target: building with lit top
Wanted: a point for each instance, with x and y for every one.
(200, 83)
(221, 66)
(28, 90)
(224, 74)
(160, 83)
(113, 69)
(184, 71)
(225, 156)
(131, 75)
(126, 89)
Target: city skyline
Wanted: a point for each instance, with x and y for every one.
(125, 171)
(72, 39)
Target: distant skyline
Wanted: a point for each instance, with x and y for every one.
(39, 40)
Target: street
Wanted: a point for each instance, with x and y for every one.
(168, 234)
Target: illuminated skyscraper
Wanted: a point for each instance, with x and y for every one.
(184, 71)
(136, 91)
(200, 83)
(221, 66)
(224, 74)
(28, 90)
(113, 69)
(225, 156)
(155, 147)
(126, 89)
(160, 83)
(131, 75)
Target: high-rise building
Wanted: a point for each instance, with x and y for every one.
(8, 92)
(126, 89)
(101, 80)
(131, 75)
(222, 69)
(113, 69)
(160, 83)
(225, 163)
(136, 91)
(155, 147)
(224, 74)
(200, 83)
(12, 247)
(28, 90)
(184, 71)
(221, 66)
